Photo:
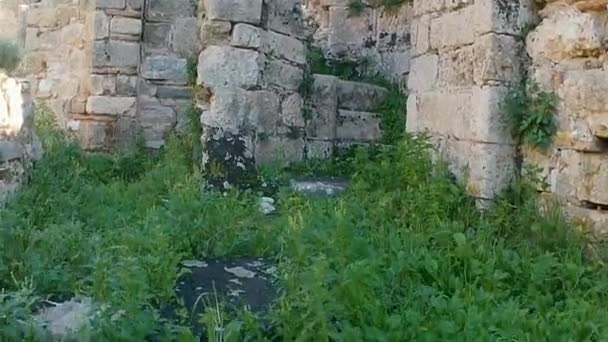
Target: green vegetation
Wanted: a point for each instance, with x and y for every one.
(403, 255)
(356, 7)
(530, 114)
(191, 71)
(10, 55)
(392, 109)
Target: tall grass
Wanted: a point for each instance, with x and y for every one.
(403, 255)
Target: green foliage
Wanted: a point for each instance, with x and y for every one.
(403, 255)
(393, 111)
(10, 55)
(530, 114)
(355, 8)
(191, 71)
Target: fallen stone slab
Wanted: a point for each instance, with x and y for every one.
(320, 186)
(247, 282)
(65, 320)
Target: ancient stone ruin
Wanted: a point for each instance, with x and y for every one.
(115, 70)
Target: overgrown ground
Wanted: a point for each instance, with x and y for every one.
(403, 255)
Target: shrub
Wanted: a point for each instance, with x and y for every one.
(530, 114)
(10, 56)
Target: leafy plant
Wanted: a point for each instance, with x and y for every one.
(355, 8)
(530, 114)
(10, 55)
(191, 71)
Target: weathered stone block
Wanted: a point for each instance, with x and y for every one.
(167, 68)
(593, 179)
(451, 30)
(487, 169)
(10, 150)
(292, 111)
(229, 109)
(171, 92)
(349, 35)
(503, 17)
(567, 33)
(156, 120)
(130, 26)
(455, 68)
(110, 105)
(423, 73)
(248, 36)
(358, 126)
(497, 59)
(359, 96)
(235, 10)
(395, 64)
(126, 85)
(102, 25)
(279, 149)
(116, 54)
(103, 84)
(229, 156)
(286, 17)
(157, 35)
(282, 74)
(285, 47)
(421, 35)
(584, 91)
(264, 111)
(115, 4)
(215, 32)
(163, 10)
(324, 101)
(426, 6)
(186, 38)
(220, 66)
(599, 125)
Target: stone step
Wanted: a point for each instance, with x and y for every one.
(353, 126)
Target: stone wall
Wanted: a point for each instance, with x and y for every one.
(465, 54)
(18, 144)
(58, 44)
(109, 69)
(258, 105)
(569, 58)
(376, 35)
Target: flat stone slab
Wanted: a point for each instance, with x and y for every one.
(239, 283)
(320, 186)
(65, 320)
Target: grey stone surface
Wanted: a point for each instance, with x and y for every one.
(327, 186)
(102, 25)
(116, 54)
(156, 120)
(123, 25)
(114, 4)
(126, 85)
(241, 282)
(167, 68)
(282, 74)
(157, 35)
(358, 126)
(221, 66)
(110, 105)
(173, 92)
(10, 150)
(65, 320)
(359, 96)
(286, 17)
(164, 10)
(186, 37)
(248, 36)
(266, 207)
(235, 10)
(324, 101)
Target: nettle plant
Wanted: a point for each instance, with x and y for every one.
(530, 113)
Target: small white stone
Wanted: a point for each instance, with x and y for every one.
(240, 272)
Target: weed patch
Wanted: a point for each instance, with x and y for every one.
(403, 255)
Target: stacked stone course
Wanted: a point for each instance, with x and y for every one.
(376, 35)
(465, 55)
(569, 58)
